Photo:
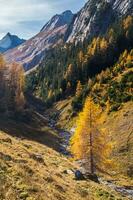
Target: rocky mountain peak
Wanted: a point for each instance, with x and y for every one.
(96, 16)
(31, 52)
(92, 20)
(58, 20)
(9, 41)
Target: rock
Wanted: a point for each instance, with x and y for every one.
(68, 171)
(79, 175)
(37, 157)
(27, 146)
(5, 157)
(6, 140)
(92, 177)
(130, 171)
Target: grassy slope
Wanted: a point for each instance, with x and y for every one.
(120, 125)
(31, 167)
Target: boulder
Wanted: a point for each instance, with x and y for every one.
(79, 175)
(92, 177)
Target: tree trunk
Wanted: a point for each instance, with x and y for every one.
(91, 147)
(91, 156)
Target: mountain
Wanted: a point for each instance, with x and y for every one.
(32, 51)
(9, 42)
(96, 16)
(92, 20)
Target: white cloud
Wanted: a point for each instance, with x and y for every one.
(14, 12)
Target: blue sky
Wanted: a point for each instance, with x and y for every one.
(26, 17)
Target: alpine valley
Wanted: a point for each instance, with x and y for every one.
(66, 107)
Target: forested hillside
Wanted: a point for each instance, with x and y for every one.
(109, 56)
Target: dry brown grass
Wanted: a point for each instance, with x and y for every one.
(120, 126)
(33, 169)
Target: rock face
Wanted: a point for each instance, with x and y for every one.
(9, 41)
(96, 16)
(32, 51)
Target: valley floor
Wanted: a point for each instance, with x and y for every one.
(32, 167)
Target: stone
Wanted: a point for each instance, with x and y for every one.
(92, 177)
(68, 171)
(6, 140)
(38, 158)
(79, 175)
(5, 157)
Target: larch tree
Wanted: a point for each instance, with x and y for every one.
(12, 82)
(127, 22)
(81, 56)
(103, 44)
(91, 143)
(2, 83)
(16, 79)
(78, 89)
(20, 99)
(69, 72)
(68, 88)
(2, 68)
(50, 94)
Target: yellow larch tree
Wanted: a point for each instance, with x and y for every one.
(80, 56)
(16, 79)
(89, 142)
(12, 82)
(50, 94)
(127, 22)
(68, 87)
(3, 70)
(78, 89)
(103, 44)
(20, 99)
(69, 71)
(129, 58)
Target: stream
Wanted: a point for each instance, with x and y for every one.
(64, 138)
(125, 191)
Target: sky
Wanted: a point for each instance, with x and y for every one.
(25, 18)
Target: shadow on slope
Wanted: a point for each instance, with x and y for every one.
(35, 129)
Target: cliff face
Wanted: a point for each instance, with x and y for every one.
(96, 16)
